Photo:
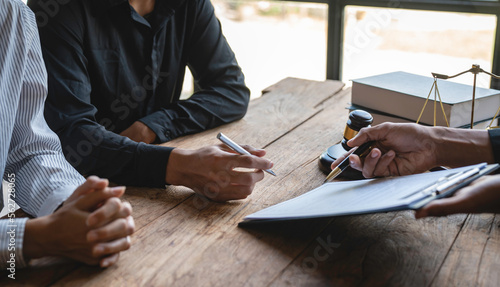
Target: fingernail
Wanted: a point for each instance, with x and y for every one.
(391, 153)
(117, 190)
(352, 163)
(374, 154)
(99, 249)
(105, 263)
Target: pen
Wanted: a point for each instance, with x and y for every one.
(456, 180)
(237, 148)
(362, 150)
(450, 186)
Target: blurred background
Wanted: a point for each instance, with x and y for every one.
(276, 39)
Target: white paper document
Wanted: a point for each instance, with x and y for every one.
(371, 195)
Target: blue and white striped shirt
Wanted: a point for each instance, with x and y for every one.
(30, 153)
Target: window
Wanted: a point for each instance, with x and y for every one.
(379, 40)
(274, 39)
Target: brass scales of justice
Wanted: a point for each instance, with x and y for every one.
(476, 69)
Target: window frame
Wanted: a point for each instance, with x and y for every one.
(336, 14)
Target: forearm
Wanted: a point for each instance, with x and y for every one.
(201, 112)
(460, 147)
(115, 157)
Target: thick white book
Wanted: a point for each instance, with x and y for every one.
(403, 95)
(379, 118)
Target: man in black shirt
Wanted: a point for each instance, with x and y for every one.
(116, 69)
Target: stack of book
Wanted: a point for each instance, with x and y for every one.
(400, 97)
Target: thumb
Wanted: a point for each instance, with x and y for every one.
(90, 201)
(92, 183)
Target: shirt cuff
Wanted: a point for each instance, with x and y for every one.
(152, 163)
(57, 197)
(163, 134)
(495, 143)
(11, 244)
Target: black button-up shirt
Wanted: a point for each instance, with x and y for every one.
(109, 67)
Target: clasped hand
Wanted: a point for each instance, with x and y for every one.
(92, 226)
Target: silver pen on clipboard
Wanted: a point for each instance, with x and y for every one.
(237, 148)
(454, 180)
(447, 186)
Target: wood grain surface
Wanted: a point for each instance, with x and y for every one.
(183, 239)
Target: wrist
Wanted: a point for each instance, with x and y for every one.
(147, 134)
(438, 137)
(177, 166)
(460, 147)
(36, 236)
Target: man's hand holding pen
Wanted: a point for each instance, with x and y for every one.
(402, 149)
(215, 173)
(341, 165)
(398, 149)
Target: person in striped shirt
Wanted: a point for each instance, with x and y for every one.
(75, 218)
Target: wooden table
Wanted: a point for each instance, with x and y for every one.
(185, 240)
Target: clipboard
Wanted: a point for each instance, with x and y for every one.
(372, 195)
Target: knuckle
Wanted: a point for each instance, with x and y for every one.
(123, 224)
(99, 250)
(247, 160)
(131, 227)
(127, 245)
(99, 216)
(248, 148)
(212, 176)
(103, 233)
(246, 179)
(115, 202)
(259, 176)
(246, 191)
(128, 208)
(92, 179)
(124, 211)
(211, 191)
(366, 174)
